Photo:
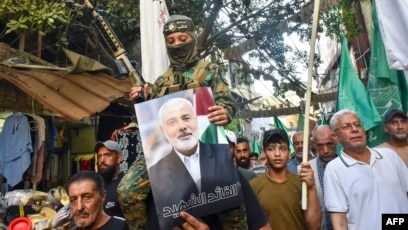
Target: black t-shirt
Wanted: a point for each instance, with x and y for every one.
(256, 218)
(114, 222)
(111, 205)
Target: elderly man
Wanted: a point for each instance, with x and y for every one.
(325, 144)
(86, 195)
(396, 126)
(109, 156)
(190, 168)
(362, 183)
(297, 140)
(180, 127)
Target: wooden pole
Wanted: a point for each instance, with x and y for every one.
(308, 96)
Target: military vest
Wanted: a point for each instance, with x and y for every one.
(202, 72)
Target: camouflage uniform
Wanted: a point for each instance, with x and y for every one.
(184, 80)
(133, 190)
(134, 187)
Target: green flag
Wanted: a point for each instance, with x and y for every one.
(255, 147)
(352, 94)
(301, 121)
(324, 120)
(388, 88)
(279, 124)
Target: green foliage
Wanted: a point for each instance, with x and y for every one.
(350, 22)
(341, 20)
(332, 20)
(43, 17)
(285, 86)
(123, 16)
(38, 16)
(221, 25)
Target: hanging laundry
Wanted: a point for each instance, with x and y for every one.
(15, 148)
(37, 161)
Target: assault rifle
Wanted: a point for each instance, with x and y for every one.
(117, 49)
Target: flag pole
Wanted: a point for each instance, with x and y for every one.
(308, 96)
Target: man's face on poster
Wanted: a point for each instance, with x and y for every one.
(179, 125)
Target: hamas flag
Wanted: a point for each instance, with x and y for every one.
(387, 87)
(352, 93)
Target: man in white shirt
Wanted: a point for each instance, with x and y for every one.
(362, 183)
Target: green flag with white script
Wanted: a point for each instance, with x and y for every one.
(388, 88)
(352, 93)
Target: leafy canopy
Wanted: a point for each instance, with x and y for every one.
(222, 24)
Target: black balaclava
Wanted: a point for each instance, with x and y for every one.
(183, 54)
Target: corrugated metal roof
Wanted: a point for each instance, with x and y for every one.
(73, 96)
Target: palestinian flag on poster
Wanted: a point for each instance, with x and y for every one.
(209, 132)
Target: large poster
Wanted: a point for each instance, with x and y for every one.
(188, 159)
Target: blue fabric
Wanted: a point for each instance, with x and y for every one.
(320, 172)
(293, 165)
(15, 148)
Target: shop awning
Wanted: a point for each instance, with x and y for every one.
(72, 96)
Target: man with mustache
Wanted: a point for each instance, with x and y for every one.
(362, 177)
(325, 143)
(232, 141)
(396, 126)
(296, 160)
(86, 196)
(109, 157)
(241, 155)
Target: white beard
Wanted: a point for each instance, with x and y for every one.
(184, 145)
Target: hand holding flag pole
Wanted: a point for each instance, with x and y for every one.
(308, 96)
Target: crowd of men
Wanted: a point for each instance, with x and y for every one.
(347, 189)
(339, 185)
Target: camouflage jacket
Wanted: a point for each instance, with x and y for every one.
(203, 74)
